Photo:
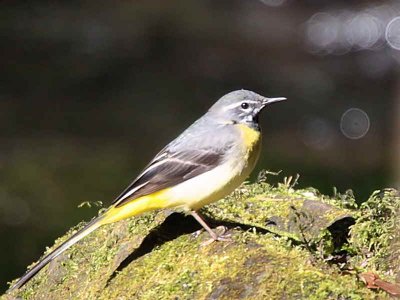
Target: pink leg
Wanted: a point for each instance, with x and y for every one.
(214, 236)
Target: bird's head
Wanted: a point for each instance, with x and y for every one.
(241, 106)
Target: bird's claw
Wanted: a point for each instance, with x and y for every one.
(219, 234)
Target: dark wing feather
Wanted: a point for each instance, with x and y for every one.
(169, 169)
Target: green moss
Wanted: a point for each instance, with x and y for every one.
(255, 266)
(156, 256)
(375, 236)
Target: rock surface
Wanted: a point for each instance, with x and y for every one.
(286, 244)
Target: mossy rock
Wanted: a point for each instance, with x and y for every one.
(376, 235)
(284, 245)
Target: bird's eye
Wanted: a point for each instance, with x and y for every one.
(245, 105)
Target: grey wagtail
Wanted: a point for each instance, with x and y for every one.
(202, 165)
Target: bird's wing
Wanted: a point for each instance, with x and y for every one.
(169, 169)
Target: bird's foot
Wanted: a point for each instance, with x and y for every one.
(218, 234)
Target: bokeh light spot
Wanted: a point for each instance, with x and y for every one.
(392, 34)
(363, 31)
(354, 123)
(322, 30)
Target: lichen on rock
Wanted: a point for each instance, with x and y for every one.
(286, 244)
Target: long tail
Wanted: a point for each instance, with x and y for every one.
(113, 214)
(90, 227)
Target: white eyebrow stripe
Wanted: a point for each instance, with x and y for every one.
(237, 104)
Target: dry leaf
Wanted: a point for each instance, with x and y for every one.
(373, 281)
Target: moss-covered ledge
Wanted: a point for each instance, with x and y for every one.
(286, 244)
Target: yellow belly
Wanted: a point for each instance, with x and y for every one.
(222, 180)
(202, 189)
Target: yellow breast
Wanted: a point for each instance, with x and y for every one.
(251, 139)
(203, 189)
(222, 180)
(250, 136)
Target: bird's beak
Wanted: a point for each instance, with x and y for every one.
(267, 101)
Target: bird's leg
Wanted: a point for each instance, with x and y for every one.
(214, 236)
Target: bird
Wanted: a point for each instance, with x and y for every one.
(205, 163)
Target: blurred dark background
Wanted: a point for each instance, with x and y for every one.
(91, 90)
